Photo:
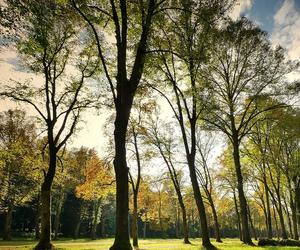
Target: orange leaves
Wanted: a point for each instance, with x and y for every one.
(98, 179)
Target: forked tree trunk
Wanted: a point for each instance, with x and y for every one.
(7, 223)
(126, 89)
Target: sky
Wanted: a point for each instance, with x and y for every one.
(280, 18)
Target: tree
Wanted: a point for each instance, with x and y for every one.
(282, 152)
(79, 160)
(49, 45)
(132, 23)
(145, 202)
(181, 54)
(136, 134)
(69, 175)
(228, 178)
(256, 150)
(166, 147)
(18, 153)
(272, 149)
(243, 68)
(97, 186)
(204, 147)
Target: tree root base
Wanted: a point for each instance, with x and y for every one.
(125, 246)
(44, 246)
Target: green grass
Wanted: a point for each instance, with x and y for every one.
(154, 244)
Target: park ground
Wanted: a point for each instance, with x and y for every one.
(154, 244)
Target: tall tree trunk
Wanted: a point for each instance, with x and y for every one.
(57, 215)
(288, 217)
(177, 223)
(251, 224)
(135, 188)
(45, 237)
(246, 238)
(134, 226)
(268, 212)
(123, 107)
(200, 205)
(184, 219)
(123, 102)
(276, 223)
(297, 200)
(297, 204)
(7, 223)
(281, 221)
(294, 215)
(237, 215)
(215, 217)
(190, 151)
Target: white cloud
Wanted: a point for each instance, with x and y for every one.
(240, 7)
(286, 30)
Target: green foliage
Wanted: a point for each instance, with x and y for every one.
(20, 164)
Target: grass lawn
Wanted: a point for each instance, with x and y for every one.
(159, 244)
